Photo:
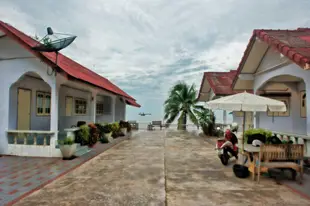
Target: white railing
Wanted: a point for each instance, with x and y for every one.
(32, 143)
(29, 137)
(296, 139)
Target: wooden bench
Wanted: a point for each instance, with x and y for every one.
(157, 124)
(281, 156)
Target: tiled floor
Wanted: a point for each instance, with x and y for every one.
(21, 175)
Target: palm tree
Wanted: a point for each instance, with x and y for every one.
(181, 104)
(206, 120)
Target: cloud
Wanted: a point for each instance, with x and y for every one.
(146, 46)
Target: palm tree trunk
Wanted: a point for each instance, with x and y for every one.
(184, 121)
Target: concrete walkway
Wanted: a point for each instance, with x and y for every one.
(160, 168)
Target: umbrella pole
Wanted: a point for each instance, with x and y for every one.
(243, 129)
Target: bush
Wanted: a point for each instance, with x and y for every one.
(82, 135)
(251, 132)
(129, 128)
(115, 127)
(94, 133)
(66, 141)
(107, 128)
(122, 124)
(219, 133)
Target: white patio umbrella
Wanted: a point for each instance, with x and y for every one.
(246, 102)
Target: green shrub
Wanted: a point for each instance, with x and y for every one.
(82, 135)
(251, 132)
(107, 128)
(66, 141)
(115, 127)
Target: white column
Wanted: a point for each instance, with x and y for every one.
(54, 107)
(93, 102)
(255, 115)
(54, 114)
(113, 102)
(308, 105)
(224, 117)
(4, 118)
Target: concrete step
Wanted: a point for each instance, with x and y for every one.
(81, 150)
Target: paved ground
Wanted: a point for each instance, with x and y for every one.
(20, 175)
(159, 168)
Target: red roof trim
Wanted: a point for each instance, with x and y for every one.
(66, 64)
(202, 82)
(283, 48)
(132, 103)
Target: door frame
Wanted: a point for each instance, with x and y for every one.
(18, 88)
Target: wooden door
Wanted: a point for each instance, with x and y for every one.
(23, 109)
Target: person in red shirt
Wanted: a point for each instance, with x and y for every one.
(229, 136)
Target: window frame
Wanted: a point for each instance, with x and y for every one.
(100, 103)
(80, 99)
(44, 94)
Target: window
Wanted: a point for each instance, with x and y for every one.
(281, 114)
(99, 108)
(80, 106)
(43, 103)
(69, 105)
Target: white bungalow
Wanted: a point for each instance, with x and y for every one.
(41, 99)
(275, 64)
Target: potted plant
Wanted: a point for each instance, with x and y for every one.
(67, 147)
(103, 139)
(260, 134)
(107, 131)
(123, 126)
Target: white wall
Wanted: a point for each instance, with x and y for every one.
(35, 85)
(104, 118)
(119, 109)
(294, 123)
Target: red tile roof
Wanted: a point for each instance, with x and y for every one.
(220, 82)
(294, 44)
(66, 64)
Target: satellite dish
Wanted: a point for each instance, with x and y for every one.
(53, 42)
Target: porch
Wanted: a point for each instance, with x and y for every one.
(40, 113)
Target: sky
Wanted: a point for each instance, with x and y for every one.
(146, 46)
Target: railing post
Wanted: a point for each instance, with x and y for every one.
(44, 143)
(25, 139)
(15, 138)
(34, 139)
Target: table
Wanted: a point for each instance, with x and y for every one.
(254, 151)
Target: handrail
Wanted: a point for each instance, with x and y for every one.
(292, 134)
(31, 131)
